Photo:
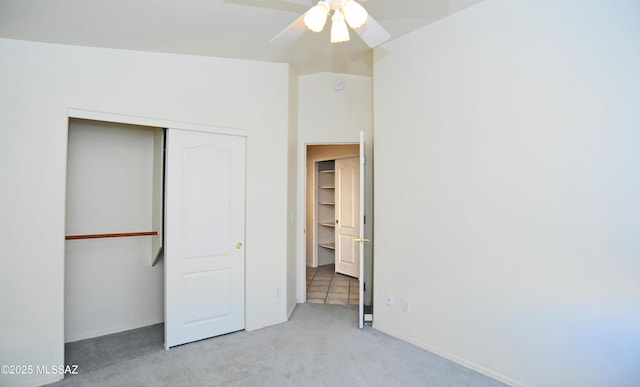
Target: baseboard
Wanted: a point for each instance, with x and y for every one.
(121, 328)
(291, 310)
(264, 324)
(465, 363)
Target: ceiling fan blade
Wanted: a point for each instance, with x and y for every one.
(291, 33)
(302, 3)
(281, 5)
(373, 33)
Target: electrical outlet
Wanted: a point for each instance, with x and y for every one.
(278, 293)
(405, 306)
(389, 299)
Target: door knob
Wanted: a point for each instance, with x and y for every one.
(238, 245)
(362, 240)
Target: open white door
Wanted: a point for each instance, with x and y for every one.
(204, 235)
(347, 212)
(361, 238)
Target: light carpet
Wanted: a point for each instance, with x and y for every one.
(320, 346)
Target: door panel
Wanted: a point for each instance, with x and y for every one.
(347, 215)
(204, 233)
(206, 296)
(348, 252)
(206, 218)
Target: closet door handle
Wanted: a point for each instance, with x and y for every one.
(238, 245)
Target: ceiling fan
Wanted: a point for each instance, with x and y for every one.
(343, 13)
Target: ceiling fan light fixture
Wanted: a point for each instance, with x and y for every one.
(316, 17)
(354, 13)
(339, 29)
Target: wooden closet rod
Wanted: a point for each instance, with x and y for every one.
(118, 235)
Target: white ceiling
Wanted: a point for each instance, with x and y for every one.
(220, 28)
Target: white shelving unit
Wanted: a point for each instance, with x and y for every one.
(326, 211)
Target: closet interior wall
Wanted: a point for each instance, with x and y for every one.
(114, 185)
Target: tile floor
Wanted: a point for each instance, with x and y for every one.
(325, 286)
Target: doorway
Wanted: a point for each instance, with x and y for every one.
(114, 187)
(329, 224)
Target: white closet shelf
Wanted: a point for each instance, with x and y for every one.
(328, 203)
(327, 186)
(327, 171)
(328, 224)
(331, 246)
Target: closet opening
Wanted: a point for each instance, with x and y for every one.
(333, 225)
(114, 271)
(146, 199)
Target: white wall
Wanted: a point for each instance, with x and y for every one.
(328, 116)
(506, 190)
(40, 82)
(110, 285)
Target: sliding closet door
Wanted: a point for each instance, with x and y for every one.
(204, 235)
